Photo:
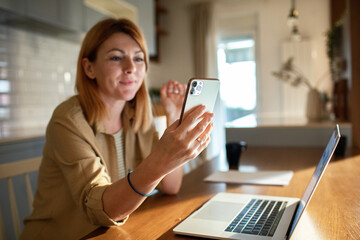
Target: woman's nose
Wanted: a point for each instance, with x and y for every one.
(129, 66)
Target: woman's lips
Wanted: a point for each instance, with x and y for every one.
(127, 82)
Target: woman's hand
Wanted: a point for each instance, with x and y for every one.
(182, 143)
(172, 97)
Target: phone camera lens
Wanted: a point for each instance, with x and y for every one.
(198, 88)
(194, 84)
(192, 91)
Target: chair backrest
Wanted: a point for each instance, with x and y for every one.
(9, 170)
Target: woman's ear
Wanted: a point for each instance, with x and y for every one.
(88, 68)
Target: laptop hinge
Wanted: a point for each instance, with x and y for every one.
(291, 222)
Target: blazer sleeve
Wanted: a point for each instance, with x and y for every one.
(83, 168)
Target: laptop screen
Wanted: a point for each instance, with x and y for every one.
(329, 150)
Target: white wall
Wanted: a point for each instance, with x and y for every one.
(176, 59)
(41, 72)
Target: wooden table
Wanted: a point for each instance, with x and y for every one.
(333, 212)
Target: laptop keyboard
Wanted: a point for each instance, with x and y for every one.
(259, 217)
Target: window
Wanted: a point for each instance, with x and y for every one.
(237, 72)
(4, 97)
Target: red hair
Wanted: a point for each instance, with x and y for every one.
(94, 108)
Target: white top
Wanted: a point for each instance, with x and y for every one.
(120, 153)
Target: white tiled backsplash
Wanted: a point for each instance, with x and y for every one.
(37, 72)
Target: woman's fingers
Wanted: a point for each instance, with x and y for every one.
(170, 87)
(195, 122)
(173, 87)
(183, 89)
(191, 115)
(201, 124)
(198, 137)
(163, 90)
(204, 139)
(180, 144)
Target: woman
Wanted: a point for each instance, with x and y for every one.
(102, 156)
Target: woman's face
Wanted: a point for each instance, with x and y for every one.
(119, 68)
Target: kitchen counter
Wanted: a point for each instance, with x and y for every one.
(283, 131)
(21, 134)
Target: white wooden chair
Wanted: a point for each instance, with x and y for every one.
(9, 170)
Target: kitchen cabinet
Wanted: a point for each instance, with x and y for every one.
(53, 15)
(69, 19)
(66, 14)
(16, 6)
(43, 10)
(71, 14)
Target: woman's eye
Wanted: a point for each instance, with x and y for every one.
(139, 59)
(115, 58)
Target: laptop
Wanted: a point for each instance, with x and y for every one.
(245, 216)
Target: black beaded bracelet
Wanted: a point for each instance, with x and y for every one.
(144, 195)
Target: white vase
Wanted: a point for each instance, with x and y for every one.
(315, 106)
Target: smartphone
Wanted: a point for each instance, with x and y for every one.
(200, 91)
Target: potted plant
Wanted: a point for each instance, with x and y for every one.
(316, 100)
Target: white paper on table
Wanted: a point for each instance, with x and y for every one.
(280, 178)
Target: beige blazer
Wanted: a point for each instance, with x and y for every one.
(79, 162)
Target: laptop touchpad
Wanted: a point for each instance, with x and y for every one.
(220, 211)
